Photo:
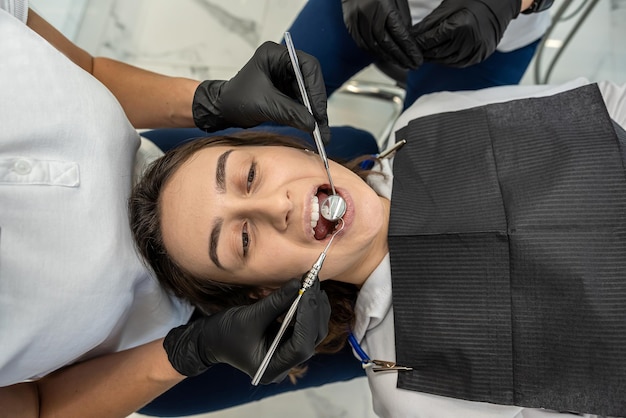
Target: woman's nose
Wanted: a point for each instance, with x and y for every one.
(274, 208)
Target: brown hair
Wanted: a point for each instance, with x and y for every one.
(208, 295)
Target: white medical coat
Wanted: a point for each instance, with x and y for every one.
(71, 283)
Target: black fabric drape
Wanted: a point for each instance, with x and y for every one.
(507, 240)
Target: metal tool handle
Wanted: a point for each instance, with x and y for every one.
(270, 352)
(307, 282)
(305, 99)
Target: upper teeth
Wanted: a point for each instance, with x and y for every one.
(315, 211)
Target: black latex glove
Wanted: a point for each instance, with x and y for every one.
(382, 27)
(262, 91)
(460, 33)
(239, 337)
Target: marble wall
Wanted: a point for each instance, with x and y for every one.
(195, 38)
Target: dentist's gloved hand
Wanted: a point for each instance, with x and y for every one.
(238, 336)
(264, 90)
(382, 27)
(460, 33)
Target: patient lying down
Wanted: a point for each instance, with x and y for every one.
(226, 220)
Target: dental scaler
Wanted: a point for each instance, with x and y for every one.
(334, 206)
(307, 282)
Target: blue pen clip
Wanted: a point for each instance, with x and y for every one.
(375, 365)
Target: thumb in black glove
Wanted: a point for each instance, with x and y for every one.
(238, 336)
(262, 91)
(382, 27)
(460, 33)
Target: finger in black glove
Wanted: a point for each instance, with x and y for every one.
(238, 336)
(382, 27)
(264, 90)
(460, 33)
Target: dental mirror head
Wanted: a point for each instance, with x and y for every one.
(333, 208)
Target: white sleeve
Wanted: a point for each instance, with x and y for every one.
(446, 101)
(17, 8)
(615, 100)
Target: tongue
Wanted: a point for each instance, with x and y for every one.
(324, 227)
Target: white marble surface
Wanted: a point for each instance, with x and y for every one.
(196, 38)
(337, 400)
(213, 38)
(596, 51)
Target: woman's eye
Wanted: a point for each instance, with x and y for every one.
(251, 175)
(245, 239)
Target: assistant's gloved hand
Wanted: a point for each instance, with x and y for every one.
(238, 336)
(460, 33)
(382, 27)
(262, 91)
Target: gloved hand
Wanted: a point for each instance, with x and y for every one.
(460, 33)
(264, 90)
(382, 27)
(238, 336)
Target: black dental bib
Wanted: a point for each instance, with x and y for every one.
(507, 240)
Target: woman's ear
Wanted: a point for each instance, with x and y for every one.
(260, 293)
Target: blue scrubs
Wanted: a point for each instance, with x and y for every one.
(320, 31)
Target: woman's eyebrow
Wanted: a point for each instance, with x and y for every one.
(220, 172)
(220, 185)
(213, 241)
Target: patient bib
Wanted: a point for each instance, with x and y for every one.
(507, 241)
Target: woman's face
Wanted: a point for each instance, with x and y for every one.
(247, 215)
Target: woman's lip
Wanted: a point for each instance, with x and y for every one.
(348, 217)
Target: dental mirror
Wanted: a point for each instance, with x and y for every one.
(333, 208)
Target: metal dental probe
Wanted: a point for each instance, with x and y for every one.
(307, 282)
(334, 206)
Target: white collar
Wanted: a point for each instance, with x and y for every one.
(374, 298)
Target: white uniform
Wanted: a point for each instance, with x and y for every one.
(374, 327)
(71, 283)
(522, 30)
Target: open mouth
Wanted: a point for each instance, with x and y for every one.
(321, 227)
